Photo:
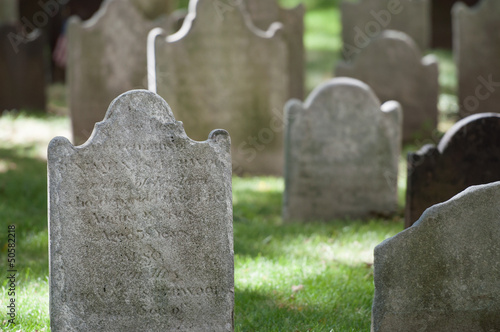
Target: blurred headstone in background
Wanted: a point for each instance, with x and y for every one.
(341, 154)
(469, 154)
(364, 20)
(107, 55)
(441, 22)
(266, 12)
(477, 55)
(22, 79)
(392, 65)
(9, 11)
(219, 71)
(442, 273)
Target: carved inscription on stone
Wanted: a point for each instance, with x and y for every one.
(141, 225)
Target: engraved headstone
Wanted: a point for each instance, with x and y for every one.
(366, 19)
(392, 65)
(341, 153)
(221, 71)
(476, 49)
(140, 221)
(22, 70)
(469, 154)
(106, 57)
(442, 274)
(266, 12)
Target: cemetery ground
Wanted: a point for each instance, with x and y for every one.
(288, 277)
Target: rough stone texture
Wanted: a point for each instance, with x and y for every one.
(441, 275)
(469, 154)
(266, 12)
(152, 9)
(476, 49)
(341, 153)
(9, 11)
(22, 71)
(106, 57)
(220, 71)
(392, 65)
(441, 21)
(140, 222)
(366, 19)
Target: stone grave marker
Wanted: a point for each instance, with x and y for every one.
(22, 70)
(341, 154)
(364, 20)
(140, 221)
(476, 50)
(266, 12)
(442, 274)
(469, 154)
(393, 67)
(220, 71)
(107, 55)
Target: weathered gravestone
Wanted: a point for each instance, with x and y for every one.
(140, 221)
(441, 275)
(476, 50)
(221, 71)
(341, 153)
(366, 19)
(393, 67)
(266, 12)
(469, 154)
(9, 11)
(22, 71)
(106, 57)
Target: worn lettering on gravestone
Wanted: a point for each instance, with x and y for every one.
(266, 12)
(366, 19)
(140, 221)
(341, 153)
(477, 54)
(442, 274)
(393, 67)
(22, 69)
(106, 57)
(220, 71)
(469, 154)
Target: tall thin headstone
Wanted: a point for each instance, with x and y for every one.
(221, 71)
(392, 65)
(106, 57)
(266, 12)
(140, 223)
(341, 154)
(366, 19)
(476, 49)
(469, 154)
(442, 274)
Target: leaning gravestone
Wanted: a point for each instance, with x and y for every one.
(266, 12)
(22, 69)
(221, 71)
(441, 275)
(476, 49)
(393, 67)
(106, 57)
(341, 154)
(140, 221)
(469, 154)
(366, 19)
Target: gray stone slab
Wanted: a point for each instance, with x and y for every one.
(106, 57)
(441, 274)
(140, 223)
(266, 12)
(469, 154)
(392, 65)
(366, 19)
(476, 49)
(341, 154)
(220, 71)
